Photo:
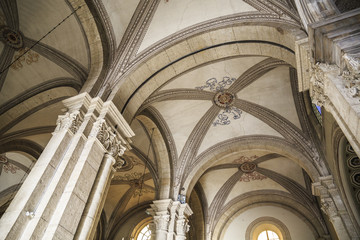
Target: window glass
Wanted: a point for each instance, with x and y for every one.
(145, 233)
(268, 235)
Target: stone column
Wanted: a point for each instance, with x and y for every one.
(170, 219)
(51, 202)
(333, 206)
(182, 221)
(96, 200)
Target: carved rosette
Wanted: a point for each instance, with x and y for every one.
(162, 222)
(11, 37)
(70, 121)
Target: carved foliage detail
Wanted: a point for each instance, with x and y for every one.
(162, 222)
(107, 136)
(70, 121)
(351, 74)
(182, 226)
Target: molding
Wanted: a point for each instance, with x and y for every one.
(213, 24)
(267, 198)
(133, 36)
(267, 220)
(255, 72)
(285, 128)
(287, 149)
(26, 132)
(193, 53)
(220, 198)
(298, 191)
(192, 144)
(165, 131)
(176, 94)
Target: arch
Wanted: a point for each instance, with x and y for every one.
(96, 48)
(134, 87)
(267, 198)
(339, 144)
(254, 142)
(267, 220)
(164, 168)
(22, 145)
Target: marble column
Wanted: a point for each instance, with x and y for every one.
(170, 219)
(334, 208)
(70, 171)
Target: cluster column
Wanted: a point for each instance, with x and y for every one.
(170, 219)
(63, 194)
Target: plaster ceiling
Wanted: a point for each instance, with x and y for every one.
(173, 113)
(173, 16)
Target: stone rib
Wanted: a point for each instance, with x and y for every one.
(220, 197)
(277, 122)
(255, 72)
(195, 139)
(5, 61)
(177, 94)
(66, 62)
(10, 11)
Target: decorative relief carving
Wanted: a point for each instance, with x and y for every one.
(69, 121)
(10, 37)
(224, 99)
(328, 207)
(351, 74)
(317, 86)
(248, 167)
(126, 163)
(162, 222)
(182, 226)
(29, 58)
(107, 136)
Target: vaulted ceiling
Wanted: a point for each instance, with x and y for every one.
(209, 88)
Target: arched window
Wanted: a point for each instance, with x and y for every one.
(142, 230)
(267, 228)
(144, 234)
(268, 235)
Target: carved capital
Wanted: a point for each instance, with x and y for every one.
(182, 226)
(108, 138)
(69, 121)
(162, 222)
